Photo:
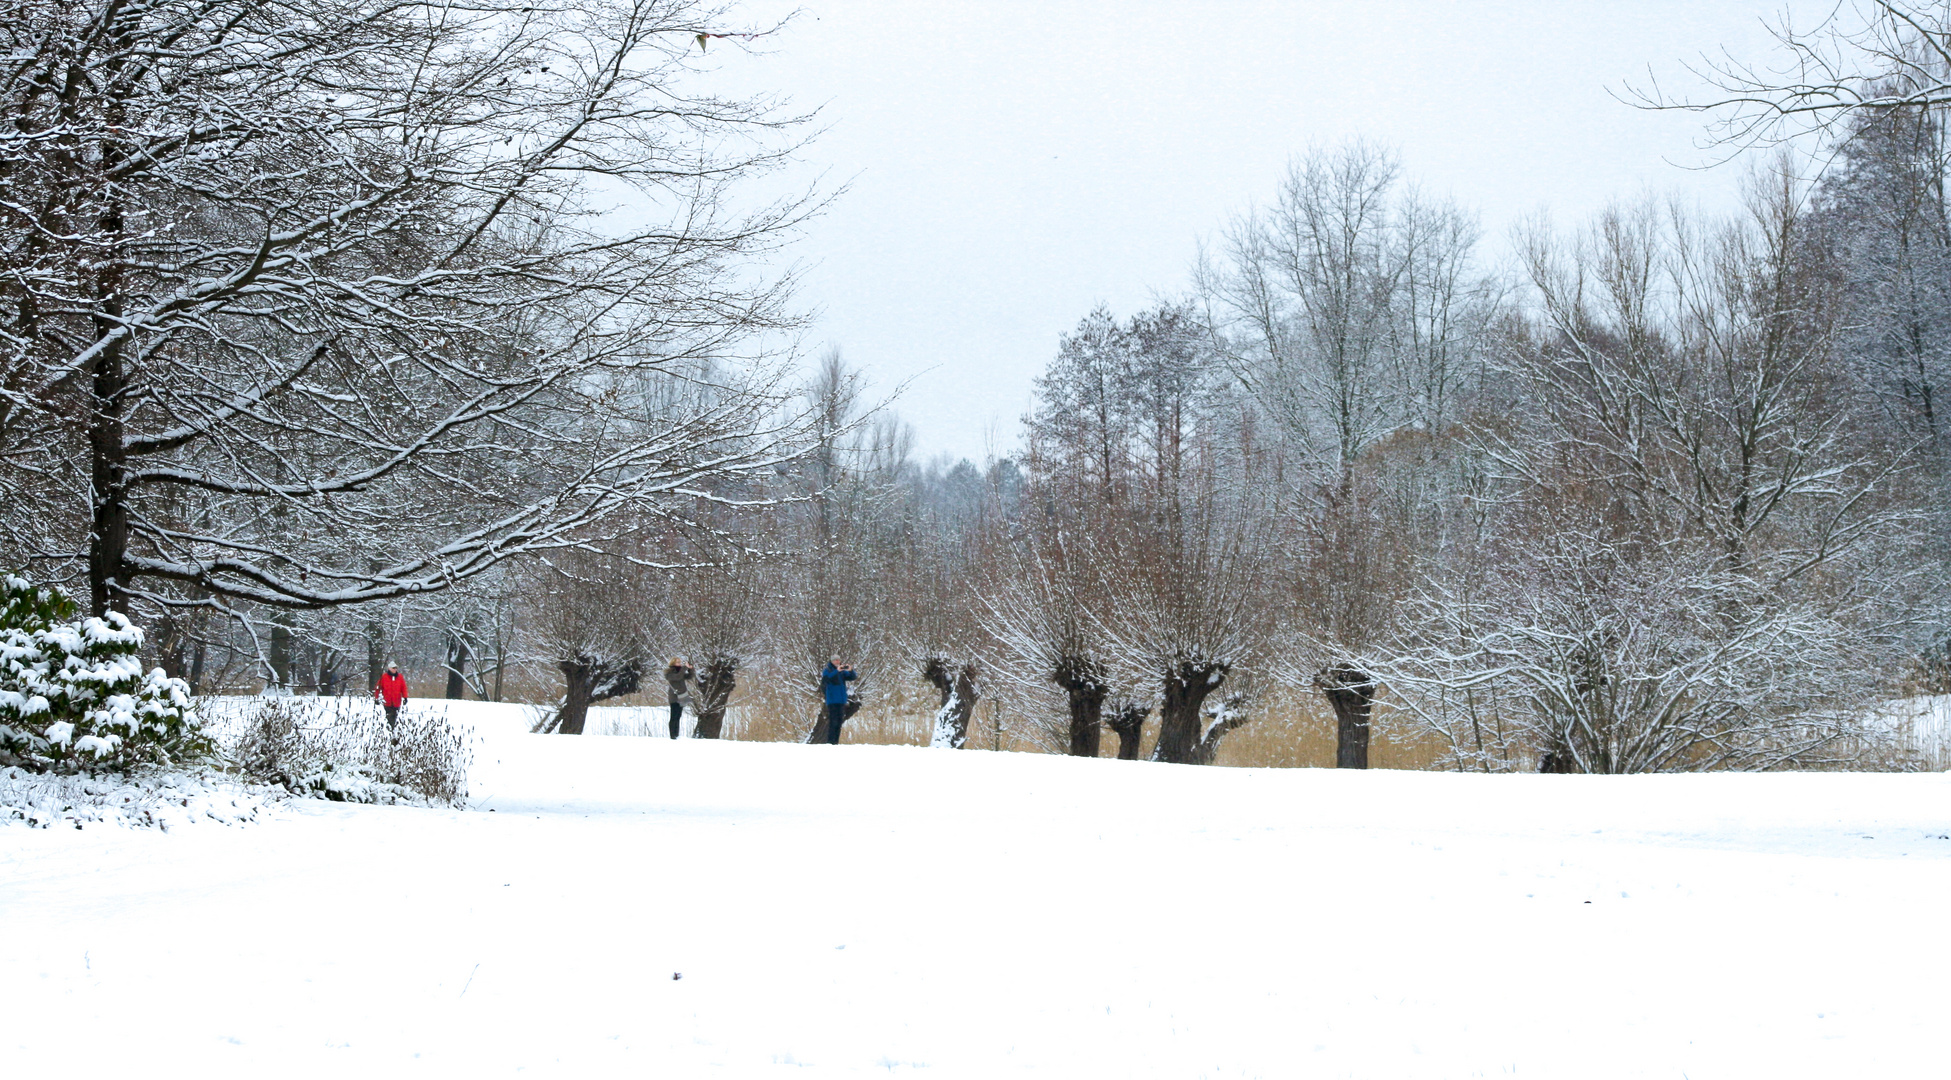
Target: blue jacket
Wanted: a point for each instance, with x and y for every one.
(834, 682)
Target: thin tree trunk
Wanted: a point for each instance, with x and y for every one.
(328, 669)
(501, 662)
(172, 649)
(457, 657)
(375, 653)
(281, 652)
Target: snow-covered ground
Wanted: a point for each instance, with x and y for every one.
(871, 911)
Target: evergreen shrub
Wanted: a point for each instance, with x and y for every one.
(73, 694)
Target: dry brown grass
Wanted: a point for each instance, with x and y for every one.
(1292, 730)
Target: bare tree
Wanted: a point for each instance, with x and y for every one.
(275, 272)
(589, 619)
(1701, 563)
(1309, 293)
(1038, 610)
(1185, 607)
(830, 588)
(1864, 56)
(718, 612)
(1083, 424)
(1883, 213)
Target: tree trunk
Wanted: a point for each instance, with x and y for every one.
(457, 657)
(1352, 693)
(1178, 713)
(1230, 715)
(281, 652)
(328, 670)
(716, 681)
(1558, 756)
(196, 669)
(956, 684)
(1128, 723)
(1086, 719)
(574, 710)
(375, 654)
(1086, 694)
(172, 647)
(108, 453)
(501, 662)
(586, 681)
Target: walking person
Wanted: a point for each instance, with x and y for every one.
(833, 685)
(391, 692)
(681, 676)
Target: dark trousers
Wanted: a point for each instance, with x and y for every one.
(836, 714)
(677, 713)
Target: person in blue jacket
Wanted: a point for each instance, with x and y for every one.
(833, 684)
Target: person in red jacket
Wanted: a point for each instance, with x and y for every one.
(392, 691)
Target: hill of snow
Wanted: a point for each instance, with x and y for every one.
(872, 911)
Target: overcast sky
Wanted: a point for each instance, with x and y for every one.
(1013, 164)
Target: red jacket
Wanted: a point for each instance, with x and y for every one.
(391, 689)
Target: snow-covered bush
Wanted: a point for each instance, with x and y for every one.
(150, 799)
(341, 749)
(74, 696)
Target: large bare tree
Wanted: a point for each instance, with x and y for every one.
(1704, 561)
(318, 302)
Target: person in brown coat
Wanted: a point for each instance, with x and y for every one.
(681, 676)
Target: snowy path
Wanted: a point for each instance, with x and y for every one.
(874, 911)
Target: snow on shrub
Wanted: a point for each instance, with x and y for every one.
(341, 749)
(74, 697)
(154, 799)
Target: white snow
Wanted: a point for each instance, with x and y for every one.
(871, 911)
(157, 799)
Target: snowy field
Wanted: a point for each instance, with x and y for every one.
(871, 911)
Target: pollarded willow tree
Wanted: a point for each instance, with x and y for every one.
(318, 302)
(1038, 611)
(1186, 606)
